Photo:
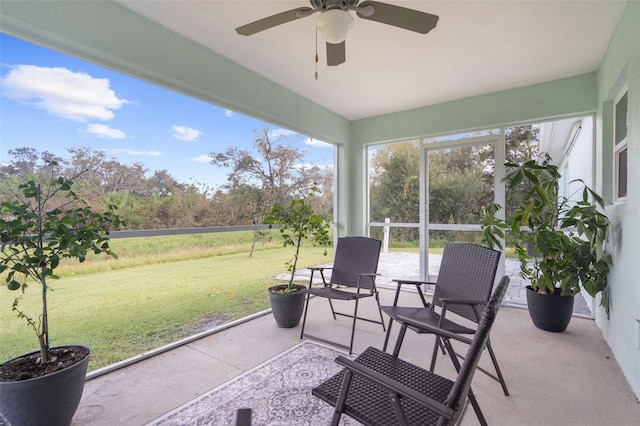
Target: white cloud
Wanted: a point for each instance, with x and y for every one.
(185, 133)
(228, 113)
(137, 153)
(317, 143)
(63, 93)
(280, 133)
(104, 131)
(324, 167)
(204, 158)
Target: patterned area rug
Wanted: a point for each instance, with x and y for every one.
(278, 391)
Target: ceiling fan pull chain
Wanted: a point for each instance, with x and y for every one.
(316, 74)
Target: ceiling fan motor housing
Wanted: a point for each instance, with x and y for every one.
(326, 4)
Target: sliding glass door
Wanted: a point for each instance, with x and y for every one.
(459, 180)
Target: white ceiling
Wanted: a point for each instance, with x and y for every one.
(477, 47)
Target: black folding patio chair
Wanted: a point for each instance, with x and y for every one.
(465, 280)
(378, 388)
(353, 277)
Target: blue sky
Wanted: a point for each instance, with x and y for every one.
(51, 102)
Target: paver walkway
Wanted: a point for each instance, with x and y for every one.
(395, 265)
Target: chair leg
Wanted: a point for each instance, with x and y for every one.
(304, 317)
(403, 330)
(436, 345)
(471, 396)
(498, 376)
(434, 355)
(386, 336)
(353, 327)
(243, 417)
(333, 312)
(495, 365)
(342, 398)
(380, 310)
(476, 408)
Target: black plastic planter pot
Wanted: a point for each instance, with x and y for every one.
(49, 400)
(287, 307)
(550, 312)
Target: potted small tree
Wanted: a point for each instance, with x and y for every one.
(298, 221)
(560, 241)
(43, 225)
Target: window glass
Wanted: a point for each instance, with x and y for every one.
(620, 147)
(622, 173)
(621, 119)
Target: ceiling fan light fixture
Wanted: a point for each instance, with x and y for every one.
(334, 24)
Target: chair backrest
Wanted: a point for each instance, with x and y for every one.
(355, 255)
(467, 272)
(461, 386)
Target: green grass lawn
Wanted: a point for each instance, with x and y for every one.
(121, 311)
(159, 290)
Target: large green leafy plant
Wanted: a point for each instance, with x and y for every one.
(296, 222)
(567, 236)
(42, 226)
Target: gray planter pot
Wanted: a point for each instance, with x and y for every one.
(49, 400)
(549, 312)
(287, 307)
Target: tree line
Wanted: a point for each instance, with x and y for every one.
(272, 172)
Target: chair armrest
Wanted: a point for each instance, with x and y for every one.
(319, 268)
(463, 301)
(433, 329)
(395, 386)
(416, 283)
(413, 282)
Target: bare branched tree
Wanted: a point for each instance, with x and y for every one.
(274, 170)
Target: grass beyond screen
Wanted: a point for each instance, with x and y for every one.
(161, 289)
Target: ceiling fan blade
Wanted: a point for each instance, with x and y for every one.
(336, 54)
(409, 19)
(272, 21)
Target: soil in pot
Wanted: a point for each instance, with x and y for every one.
(549, 312)
(27, 366)
(287, 308)
(50, 399)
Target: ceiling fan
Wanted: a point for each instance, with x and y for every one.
(335, 21)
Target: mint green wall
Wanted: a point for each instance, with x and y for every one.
(621, 65)
(569, 96)
(552, 99)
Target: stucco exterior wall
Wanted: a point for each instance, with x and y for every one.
(579, 164)
(621, 65)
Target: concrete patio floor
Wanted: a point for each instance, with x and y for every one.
(568, 378)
